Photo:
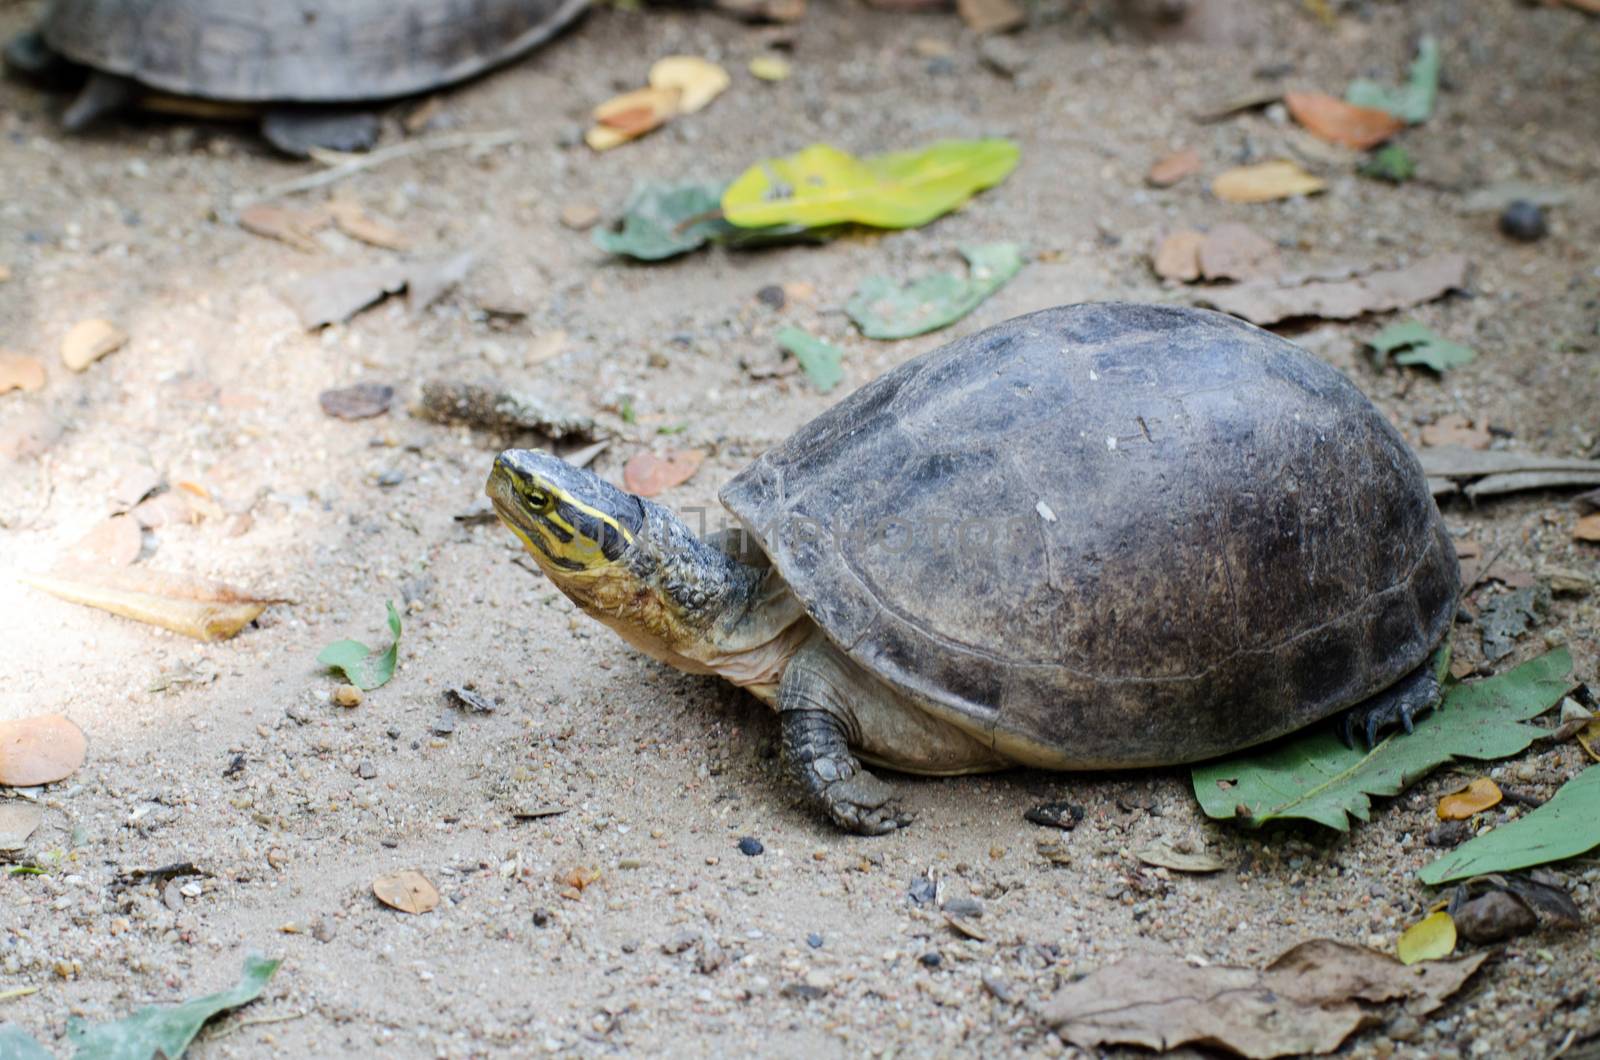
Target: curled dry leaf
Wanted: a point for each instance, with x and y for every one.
(90, 340)
(195, 607)
(1332, 119)
(39, 750)
(1587, 528)
(1264, 182)
(1476, 797)
(647, 474)
(407, 890)
(698, 81)
(1429, 939)
(1170, 169)
(116, 542)
(1178, 256)
(18, 819)
(631, 115)
(1235, 252)
(1168, 857)
(286, 224)
(1379, 291)
(20, 372)
(355, 222)
(1309, 1000)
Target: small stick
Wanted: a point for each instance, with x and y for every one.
(21, 991)
(233, 1028)
(336, 173)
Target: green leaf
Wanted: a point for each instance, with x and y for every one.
(883, 310)
(823, 185)
(1314, 777)
(166, 1030)
(1413, 101)
(661, 221)
(16, 1044)
(664, 220)
(820, 361)
(363, 666)
(1392, 163)
(1420, 346)
(1564, 827)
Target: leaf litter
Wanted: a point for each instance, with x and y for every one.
(365, 667)
(1412, 342)
(193, 606)
(1307, 1001)
(40, 750)
(1412, 102)
(1349, 295)
(822, 362)
(648, 475)
(1315, 777)
(1478, 795)
(1329, 118)
(1430, 939)
(884, 310)
(20, 372)
(407, 890)
(1565, 827)
(1265, 182)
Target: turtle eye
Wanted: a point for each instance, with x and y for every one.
(540, 500)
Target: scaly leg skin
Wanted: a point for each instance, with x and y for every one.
(1398, 704)
(818, 757)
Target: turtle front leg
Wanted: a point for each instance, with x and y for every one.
(1398, 704)
(816, 749)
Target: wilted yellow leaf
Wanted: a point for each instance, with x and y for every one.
(699, 81)
(1476, 797)
(636, 113)
(407, 890)
(195, 607)
(1264, 182)
(770, 68)
(90, 340)
(39, 750)
(1432, 937)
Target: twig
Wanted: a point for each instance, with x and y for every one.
(334, 174)
(21, 991)
(234, 1028)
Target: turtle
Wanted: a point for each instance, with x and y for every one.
(306, 66)
(1099, 536)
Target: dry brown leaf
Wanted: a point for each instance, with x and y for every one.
(698, 81)
(1235, 252)
(1165, 856)
(113, 543)
(164, 509)
(647, 474)
(407, 890)
(90, 340)
(20, 372)
(1267, 302)
(991, 16)
(195, 607)
(18, 819)
(635, 113)
(1307, 1001)
(354, 222)
(1178, 256)
(339, 294)
(546, 347)
(1264, 182)
(286, 224)
(762, 10)
(1455, 430)
(1476, 797)
(1167, 171)
(579, 877)
(39, 750)
(1589, 6)
(1587, 528)
(1332, 119)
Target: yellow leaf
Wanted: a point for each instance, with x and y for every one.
(823, 185)
(195, 607)
(1264, 182)
(407, 890)
(770, 68)
(698, 80)
(1429, 939)
(1476, 797)
(636, 113)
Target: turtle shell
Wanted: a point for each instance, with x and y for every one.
(1112, 535)
(306, 51)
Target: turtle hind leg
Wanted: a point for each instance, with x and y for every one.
(102, 94)
(297, 130)
(1399, 704)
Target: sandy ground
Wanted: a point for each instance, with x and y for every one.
(660, 774)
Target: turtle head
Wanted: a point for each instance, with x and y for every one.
(628, 562)
(571, 520)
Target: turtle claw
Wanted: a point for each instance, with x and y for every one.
(863, 804)
(1397, 705)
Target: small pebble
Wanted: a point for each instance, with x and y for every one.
(1523, 220)
(749, 846)
(771, 296)
(922, 890)
(1492, 917)
(348, 696)
(964, 907)
(443, 725)
(814, 940)
(541, 917)
(391, 478)
(366, 770)
(931, 960)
